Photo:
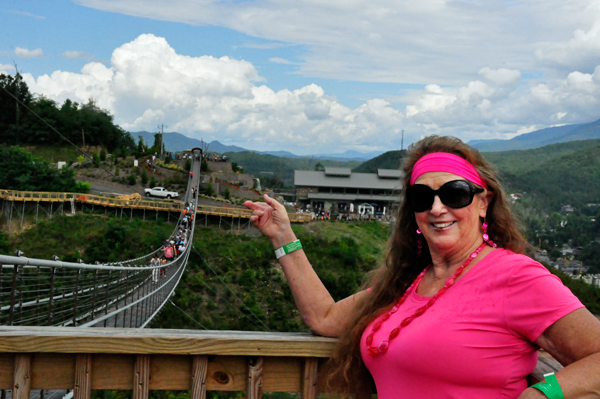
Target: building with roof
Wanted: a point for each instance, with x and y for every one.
(338, 190)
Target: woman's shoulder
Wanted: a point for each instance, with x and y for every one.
(512, 263)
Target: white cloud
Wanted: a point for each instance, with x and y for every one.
(278, 60)
(76, 54)
(581, 52)
(430, 41)
(149, 83)
(27, 14)
(7, 68)
(500, 76)
(25, 53)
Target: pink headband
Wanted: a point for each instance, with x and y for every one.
(445, 162)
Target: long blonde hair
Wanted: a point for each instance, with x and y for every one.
(347, 371)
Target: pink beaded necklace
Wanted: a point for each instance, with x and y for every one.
(384, 345)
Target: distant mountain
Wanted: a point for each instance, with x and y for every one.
(178, 142)
(540, 138)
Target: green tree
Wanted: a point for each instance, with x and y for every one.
(152, 181)
(319, 167)
(144, 177)
(209, 190)
(227, 193)
(103, 154)
(20, 171)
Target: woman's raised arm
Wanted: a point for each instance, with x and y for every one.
(318, 309)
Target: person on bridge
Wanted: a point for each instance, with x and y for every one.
(456, 310)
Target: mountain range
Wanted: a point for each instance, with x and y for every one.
(540, 138)
(178, 142)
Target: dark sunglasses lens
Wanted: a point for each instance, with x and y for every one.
(456, 194)
(420, 197)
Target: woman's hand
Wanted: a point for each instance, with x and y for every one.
(271, 218)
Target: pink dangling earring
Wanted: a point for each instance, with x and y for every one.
(419, 243)
(486, 237)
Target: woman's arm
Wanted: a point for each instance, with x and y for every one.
(318, 309)
(573, 340)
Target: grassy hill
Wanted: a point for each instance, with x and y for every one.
(387, 160)
(282, 167)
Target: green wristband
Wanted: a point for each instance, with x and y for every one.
(287, 248)
(550, 388)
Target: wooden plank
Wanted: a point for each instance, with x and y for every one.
(171, 372)
(141, 377)
(7, 368)
(113, 371)
(82, 388)
(309, 378)
(22, 376)
(148, 341)
(282, 374)
(52, 371)
(199, 373)
(255, 369)
(227, 373)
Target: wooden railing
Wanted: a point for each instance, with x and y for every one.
(144, 359)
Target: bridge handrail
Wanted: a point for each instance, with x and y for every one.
(140, 360)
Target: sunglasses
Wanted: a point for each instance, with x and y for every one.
(455, 194)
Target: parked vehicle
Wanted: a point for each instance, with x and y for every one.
(160, 192)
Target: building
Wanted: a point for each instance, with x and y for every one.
(338, 190)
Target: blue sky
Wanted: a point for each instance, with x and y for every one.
(314, 77)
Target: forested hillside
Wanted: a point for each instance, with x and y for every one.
(19, 124)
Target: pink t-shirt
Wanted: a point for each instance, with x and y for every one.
(476, 340)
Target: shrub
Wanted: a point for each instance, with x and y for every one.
(144, 177)
(103, 154)
(132, 179)
(210, 190)
(227, 193)
(152, 181)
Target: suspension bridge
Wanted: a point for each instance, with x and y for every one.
(39, 292)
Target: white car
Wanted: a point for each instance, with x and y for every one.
(160, 192)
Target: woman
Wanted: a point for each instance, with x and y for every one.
(456, 311)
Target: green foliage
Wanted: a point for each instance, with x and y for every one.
(19, 126)
(204, 166)
(152, 181)
(319, 167)
(209, 190)
(188, 165)
(341, 254)
(132, 179)
(144, 177)
(20, 171)
(388, 160)
(227, 193)
(90, 237)
(103, 154)
(96, 159)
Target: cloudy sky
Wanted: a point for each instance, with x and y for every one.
(313, 76)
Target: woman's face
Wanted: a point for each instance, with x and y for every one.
(449, 230)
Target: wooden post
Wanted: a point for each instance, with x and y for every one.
(83, 376)
(255, 368)
(309, 378)
(22, 376)
(199, 371)
(141, 377)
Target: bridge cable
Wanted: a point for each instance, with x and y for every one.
(63, 137)
(185, 313)
(229, 289)
(234, 307)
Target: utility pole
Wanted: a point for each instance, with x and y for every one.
(162, 140)
(402, 142)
